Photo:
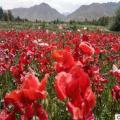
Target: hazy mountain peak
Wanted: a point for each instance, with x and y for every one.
(94, 11)
(44, 4)
(45, 12)
(41, 12)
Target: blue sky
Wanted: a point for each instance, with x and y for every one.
(61, 5)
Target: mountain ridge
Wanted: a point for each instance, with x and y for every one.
(42, 12)
(45, 12)
(93, 11)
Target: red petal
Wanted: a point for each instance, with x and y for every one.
(43, 83)
(80, 80)
(4, 115)
(61, 83)
(57, 55)
(14, 96)
(40, 112)
(77, 114)
(28, 95)
(30, 81)
(29, 112)
(89, 99)
(87, 49)
(64, 58)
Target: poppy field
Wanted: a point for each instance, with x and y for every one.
(59, 75)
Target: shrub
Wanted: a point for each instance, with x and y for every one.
(115, 24)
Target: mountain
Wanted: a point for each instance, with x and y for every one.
(41, 12)
(93, 11)
(44, 12)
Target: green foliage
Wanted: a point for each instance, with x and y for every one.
(115, 23)
(72, 22)
(1, 13)
(43, 25)
(10, 16)
(72, 25)
(103, 21)
(57, 21)
(7, 16)
(18, 19)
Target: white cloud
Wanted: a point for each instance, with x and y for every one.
(61, 5)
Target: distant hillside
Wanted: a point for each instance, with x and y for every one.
(41, 12)
(93, 11)
(44, 12)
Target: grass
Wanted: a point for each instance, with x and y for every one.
(45, 25)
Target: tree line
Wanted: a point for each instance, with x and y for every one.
(102, 21)
(113, 23)
(7, 16)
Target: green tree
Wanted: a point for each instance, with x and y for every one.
(18, 19)
(1, 13)
(10, 16)
(5, 16)
(115, 25)
(103, 21)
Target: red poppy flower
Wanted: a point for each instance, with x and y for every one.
(75, 86)
(22, 99)
(62, 79)
(86, 48)
(64, 59)
(116, 92)
(77, 113)
(14, 99)
(30, 90)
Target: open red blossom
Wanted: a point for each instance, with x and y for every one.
(83, 105)
(75, 86)
(14, 99)
(62, 79)
(77, 113)
(86, 48)
(64, 59)
(79, 80)
(30, 90)
(67, 84)
(116, 92)
(23, 99)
